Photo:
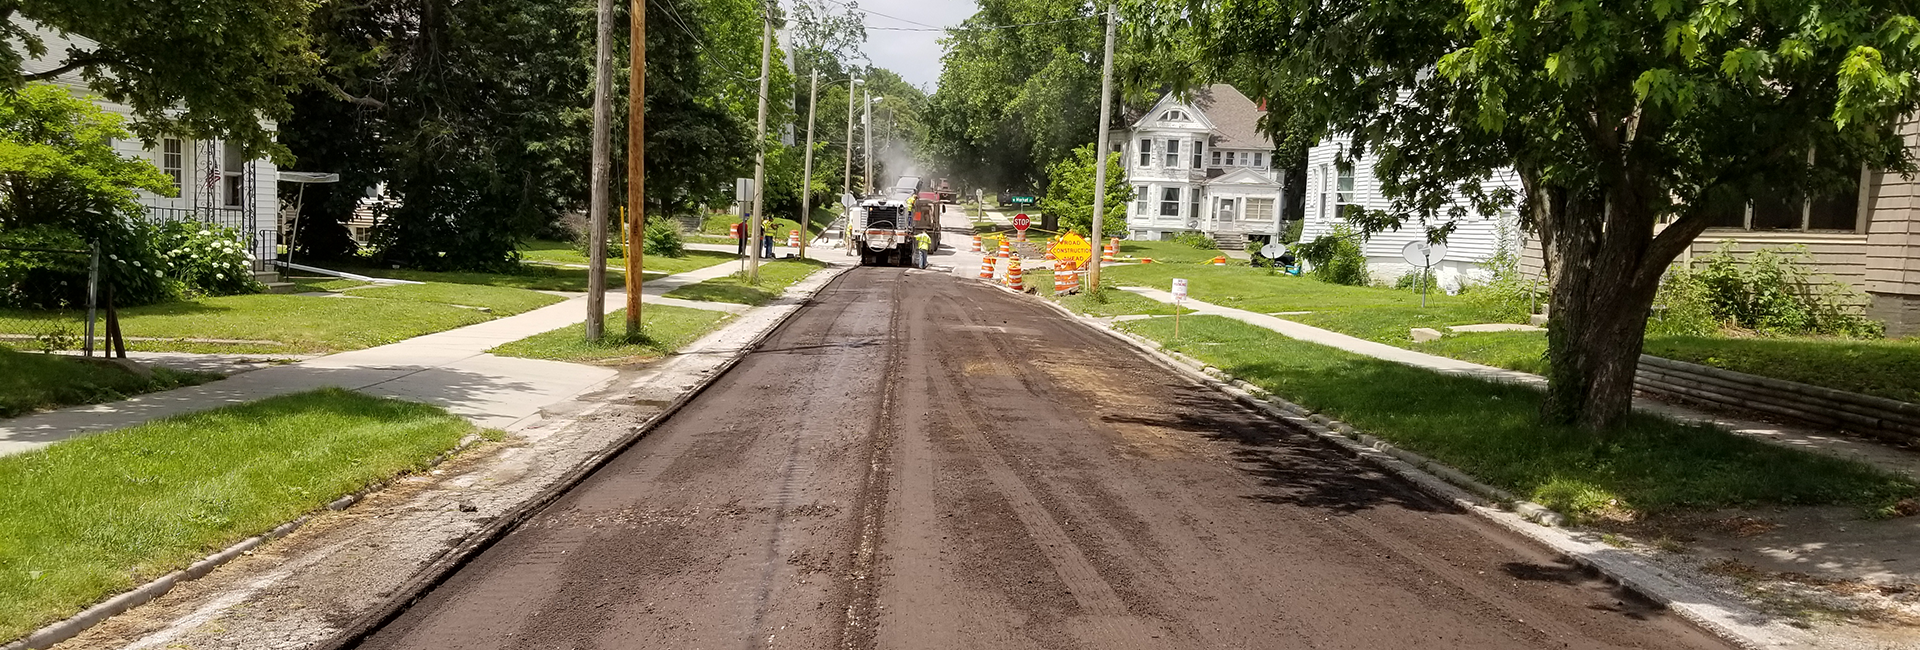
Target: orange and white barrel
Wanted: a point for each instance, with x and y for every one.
(976, 245)
(1014, 279)
(986, 268)
(1112, 250)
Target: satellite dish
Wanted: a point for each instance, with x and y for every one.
(1273, 250)
(1423, 254)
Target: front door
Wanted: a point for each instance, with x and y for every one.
(1225, 215)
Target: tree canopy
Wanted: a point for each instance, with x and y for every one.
(1629, 124)
(204, 69)
(1070, 194)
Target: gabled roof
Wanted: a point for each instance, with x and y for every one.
(1242, 176)
(1235, 118)
(1150, 119)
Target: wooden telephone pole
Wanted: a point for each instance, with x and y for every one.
(636, 160)
(597, 203)
(806, 174)
(1100, 158)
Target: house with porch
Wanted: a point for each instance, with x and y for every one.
(1201, 165)
(215, 183)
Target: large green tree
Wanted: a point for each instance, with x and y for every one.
(203, 69)
(1070, 194)
(1629, 123)
(1019, 90)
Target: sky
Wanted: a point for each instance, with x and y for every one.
(915, 56)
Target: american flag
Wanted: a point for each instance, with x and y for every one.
(213, 166)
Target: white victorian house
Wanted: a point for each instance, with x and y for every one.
(215, 183)
(1203, 166)
(1337, 181)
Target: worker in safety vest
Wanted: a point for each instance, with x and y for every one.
(923, 245)
(766, 238)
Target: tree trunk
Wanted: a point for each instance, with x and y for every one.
(1601, 295)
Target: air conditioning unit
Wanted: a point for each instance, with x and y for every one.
(1193, 223)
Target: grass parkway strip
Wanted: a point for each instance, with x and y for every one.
(664, 330)
(775, 277)
(32, 382)
(95, 516)
(1492, 431)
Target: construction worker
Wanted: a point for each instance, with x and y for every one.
(923, 246)
(766, 238)
(744, 234)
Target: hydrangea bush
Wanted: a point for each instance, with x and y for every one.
(206, 259)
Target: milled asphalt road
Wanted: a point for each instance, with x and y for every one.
(918, 461)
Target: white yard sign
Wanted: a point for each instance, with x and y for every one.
(1179, 289)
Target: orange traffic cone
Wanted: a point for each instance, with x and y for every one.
(1112, 250)
(1006, 248)
(986, 268)
(793, 239)
(1219, 260)
(976, 245)
(1013, 275)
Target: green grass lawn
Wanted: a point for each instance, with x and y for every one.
(31, 381)
(1167, 252)
(1522, 351)
(503, 301)
(1491, 431)
(1889, 369)
(1390, 324)
(720, 225)
(553, 252)
(1252, 289)
(532, 277)
(664, 330)
(95, 516)
(775, 277)
(291, 323)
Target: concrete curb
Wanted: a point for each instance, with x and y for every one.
(72, 626)
(444, 567)
(1732, 622)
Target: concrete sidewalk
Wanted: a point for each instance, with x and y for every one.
(449, 369)
(1899, 461)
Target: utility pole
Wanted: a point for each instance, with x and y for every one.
(760, 151)
(1100, 157)
(846, 184)
(866, 131)
(806, 169)
(636, 159)
(597, 205)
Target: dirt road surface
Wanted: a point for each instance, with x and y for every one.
(917, 461)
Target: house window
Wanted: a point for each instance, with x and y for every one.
(1174, 115)
(1343, 195)
(1226, 210)
(1170, 202)
(1323, 192)
(1193, 208)
(1196, 155)
(1838, 211)
(1216, 157)
(1173, 154)
(1146, 152)
(233, 169)
(1140, 200)
(1259, 159)
(173, 162)
(1258, 210)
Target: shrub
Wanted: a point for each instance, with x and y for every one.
(1772, 291)
(1294, 228)
(1194, 239)
(207, 259)
(662, 237)
(41, 280)
(1510, 295)
(1418, 281)
(1336, 257)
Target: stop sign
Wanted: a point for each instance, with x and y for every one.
(1020, 221)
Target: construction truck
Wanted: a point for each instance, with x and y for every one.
(883, 227)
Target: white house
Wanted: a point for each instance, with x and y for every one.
(1332, 187)
(1202, 165)
(216, 184)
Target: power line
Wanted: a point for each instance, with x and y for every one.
(876, 13)
(985, 28)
